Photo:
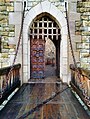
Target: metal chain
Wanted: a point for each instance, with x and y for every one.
(70, 42)
(18, 44)
(79, 73)
(72, 52)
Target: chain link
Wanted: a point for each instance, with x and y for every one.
(18, 44)
(70, 42)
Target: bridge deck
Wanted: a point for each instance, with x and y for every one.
(63, 106)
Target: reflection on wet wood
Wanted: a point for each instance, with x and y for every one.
(63, 106)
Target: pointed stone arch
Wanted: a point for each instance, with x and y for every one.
(46, 7)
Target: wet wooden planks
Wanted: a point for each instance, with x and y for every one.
(63, 106)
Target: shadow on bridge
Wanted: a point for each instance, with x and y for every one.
(45, 100)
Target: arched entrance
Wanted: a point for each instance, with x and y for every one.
(61, 20)
(43, 29)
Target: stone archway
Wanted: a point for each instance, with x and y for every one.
(58, 15)
(43, 28)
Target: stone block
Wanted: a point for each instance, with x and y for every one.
(65, 61)
(25, 68)
(38, 8)
(3, 8)
(25, 48)
(46, 6)
(74, 16)
(64, 30)
(11, 57)
(65, 78)
(73, 1)
(26, 29)
(61, 19)
(25, 60)
(83, 10)
(77, 56)
(86, 23)
(4, 55)
(76, 38)
(79, 46)
(85, 65)
(5, 50)
(74, 46)
(53, 10)
(17, 0)
(26, 38)
(5, 64)
(78, 23)
(85, 39)
(65, 52)
(72, 27)
(11, 40)
(18, 6)
(15, 18)
(84, 17)
(64, 70)
(10, 8)
(30, 16)
(25, 77)
(85, 33)
(17, 31)
(73, 6)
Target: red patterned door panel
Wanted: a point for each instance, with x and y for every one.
(37, 58)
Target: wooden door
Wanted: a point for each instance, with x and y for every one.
(37, 58)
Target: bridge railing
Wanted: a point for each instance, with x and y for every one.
(9, 81)
(80, 82)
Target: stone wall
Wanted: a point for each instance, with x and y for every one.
(10, 20)
(7, 32)
(82, 27)
(58, 3)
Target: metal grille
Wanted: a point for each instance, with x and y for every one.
(44, 27)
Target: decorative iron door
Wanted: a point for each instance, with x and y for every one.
(37, 58)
